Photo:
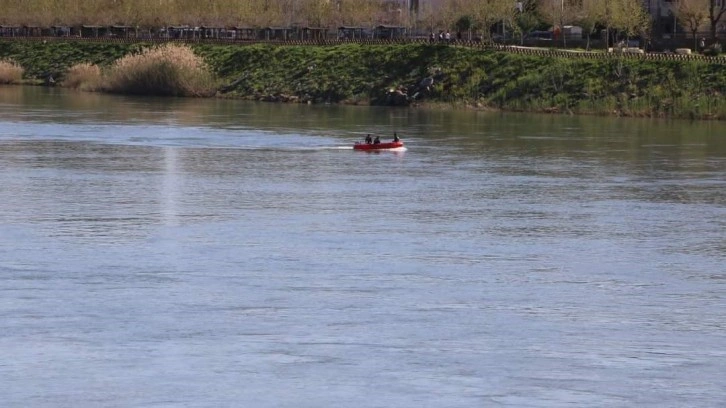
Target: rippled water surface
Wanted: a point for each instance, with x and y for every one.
(196, 253)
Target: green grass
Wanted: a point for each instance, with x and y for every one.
(354, 73)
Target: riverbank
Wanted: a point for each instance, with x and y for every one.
(421, 74)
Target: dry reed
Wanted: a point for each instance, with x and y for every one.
(167, 70)
(85, 77)
(10, 72)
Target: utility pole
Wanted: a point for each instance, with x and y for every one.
(562, 23)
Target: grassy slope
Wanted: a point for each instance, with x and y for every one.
(352, 72)
(56, 57)
(470, 76)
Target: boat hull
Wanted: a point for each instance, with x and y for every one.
(378, 146)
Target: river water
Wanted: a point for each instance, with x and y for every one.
(219, 253)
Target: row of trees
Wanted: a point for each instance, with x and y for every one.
(695, 14)
(628, 17)
(625, 16)
(210, 13)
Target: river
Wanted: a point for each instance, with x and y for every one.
(222, 253)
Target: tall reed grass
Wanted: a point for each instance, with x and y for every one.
(167, 70)
(85, 77)
(10, 72)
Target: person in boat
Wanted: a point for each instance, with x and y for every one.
(377, 140)
(369, 140)
(396, 138)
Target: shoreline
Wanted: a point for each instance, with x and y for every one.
(432, 106)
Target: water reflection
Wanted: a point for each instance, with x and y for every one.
(170, 187)
(479, 132)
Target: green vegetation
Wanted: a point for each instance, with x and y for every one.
(42, 58)
(462, 76)
(169, 70)
(354, 73)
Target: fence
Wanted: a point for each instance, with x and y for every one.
(542, 52)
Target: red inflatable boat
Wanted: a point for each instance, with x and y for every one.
(377, 146)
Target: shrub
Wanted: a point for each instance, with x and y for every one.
(10, 72)
(167, 70)
(86, 77)
(713, 50)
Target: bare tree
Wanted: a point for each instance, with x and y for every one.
(29, 13)
(358, 12)
(588, 14)
(692, 14)
(452, 11)
(316, 13)
(486, 13)
(716, 11)
(430, 16)
(558, 13)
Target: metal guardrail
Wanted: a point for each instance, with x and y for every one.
(611, 55)
(543, 52)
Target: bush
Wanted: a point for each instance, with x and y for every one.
(10, 72)
(167, 70)
(86, 77)
(713, 50)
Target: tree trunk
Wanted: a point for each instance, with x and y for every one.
(715, 13)
(607, 38)
(713, 29)
(695, 40)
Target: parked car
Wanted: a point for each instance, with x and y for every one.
(498, 38)
(539, 35)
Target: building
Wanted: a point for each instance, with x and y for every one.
(665, 23)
